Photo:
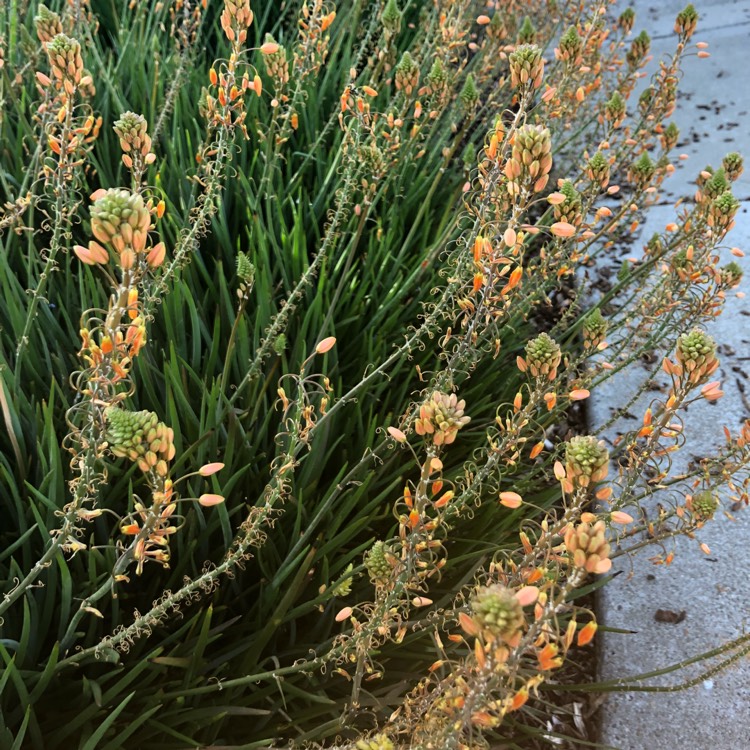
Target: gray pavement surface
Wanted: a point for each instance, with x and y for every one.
(714, 589)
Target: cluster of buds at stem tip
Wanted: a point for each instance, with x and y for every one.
(570, 209)
(730, 275)
(714, 185)
(469, 95)
(438, 83)
(236, 19)
(526, 66)
(722, 211)
(594, 329)
(140, 437)
(703, 506)
(733, 165)
(530, 161)
(441, 416)
(379, 563)
(571, 47)
(626, 20)
(642, 171)
(638, 51)
(277, 64)
(542, 359)
(526, 32)
(588, 547)
(66, 64)
(586, 461)
(121, 220)
(496, 615)
(47, 24)
(391, 19)
(686, 22)
(407, 74)
(669, 136)
(597, 170)
(135, 141)
(614, 110)
(696, 353)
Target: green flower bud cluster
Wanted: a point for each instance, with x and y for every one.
(437, 80)
(526, 66)
(695, 349)
(407, 74)
(543, 356)
(277, 64)
(441, 416)
(497, 611)
(731, 274)
(571, 209)
(391, 18)
(376, 563)
(140, 437)
(469, 94)
(716, 184)
(686, 22)
(496, 29)
(642, 171)
(722, 211)
(571, 45)
(245, 269)
(733, 165)
(65, 59)
(372, 160)
(586, 460)
(670, 136)
(704, 506)
(626, 20)
(527, 32)
(594, 329)
(598, 169)
(588, 547)
(638, 50)
(47, 23)
(614, 110)
(645, 100)
(121, 218)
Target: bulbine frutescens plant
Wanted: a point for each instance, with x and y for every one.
(336, 269)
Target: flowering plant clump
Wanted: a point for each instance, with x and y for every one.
(299, 314)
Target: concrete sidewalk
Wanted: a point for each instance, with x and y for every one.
(713, 590)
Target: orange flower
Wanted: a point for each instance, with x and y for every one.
(548, 658)
(510, 500)
(587, 632)
(562, 229)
